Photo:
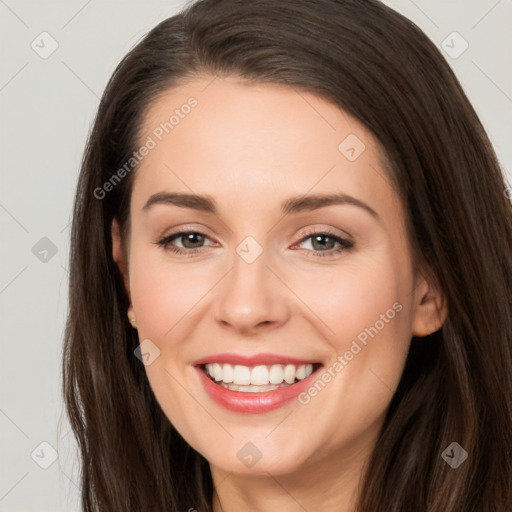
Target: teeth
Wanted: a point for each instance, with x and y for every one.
(241, 375)
(261, 375)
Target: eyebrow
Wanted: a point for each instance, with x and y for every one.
(292, 205)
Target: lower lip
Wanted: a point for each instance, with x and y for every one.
(253, 403)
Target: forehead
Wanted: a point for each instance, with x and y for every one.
(227, 138)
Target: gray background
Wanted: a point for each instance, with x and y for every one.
(47, 107)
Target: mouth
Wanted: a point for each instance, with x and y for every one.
(258, 378)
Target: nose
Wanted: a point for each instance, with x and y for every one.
(251, 298)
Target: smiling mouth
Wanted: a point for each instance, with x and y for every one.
(260, 378)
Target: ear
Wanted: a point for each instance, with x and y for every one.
(119, 255)
(430, 310)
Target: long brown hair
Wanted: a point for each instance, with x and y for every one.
(457, 384)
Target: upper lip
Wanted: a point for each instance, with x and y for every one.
(252, 360)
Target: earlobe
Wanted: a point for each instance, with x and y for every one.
(431, 309)
(131, 317)
(118, 254)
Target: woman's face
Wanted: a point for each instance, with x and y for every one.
(298, 251)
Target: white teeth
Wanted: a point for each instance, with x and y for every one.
(289, 373)
(276, 374)
(260, 375)
(227, 374)
(301, 372)
(217, 372)
(241, 375)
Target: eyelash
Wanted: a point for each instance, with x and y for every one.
(344, 244)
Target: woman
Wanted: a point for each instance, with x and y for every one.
(291, 272)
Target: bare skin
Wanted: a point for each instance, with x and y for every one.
(250, 148)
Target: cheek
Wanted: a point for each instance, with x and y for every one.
(363, 312)
(163, 293)
(350, 297)
(167, 303)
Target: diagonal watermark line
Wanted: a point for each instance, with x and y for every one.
(73, 17)
(492, 81)
(14, 423)
(14, 218)
(332, 332)
(71, 480)
(284, 489)
(381, 380)
(12, 280)
(280, 423)
(294, 88)
(168, 168)
(14, 485)
(199, 403)
(225, 477)
(382, 174)
(14, 76)
(80, 79)
(66, 227)
(215, 496)
(199, 300)
(209, 83)
(2, 1)
(424, 14)
(485, 15)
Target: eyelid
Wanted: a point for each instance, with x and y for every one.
(196, 228)
(329, 230)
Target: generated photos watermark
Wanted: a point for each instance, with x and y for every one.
(344, 359)
(150, 143)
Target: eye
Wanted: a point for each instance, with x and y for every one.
(323, 243)
(191, 240)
